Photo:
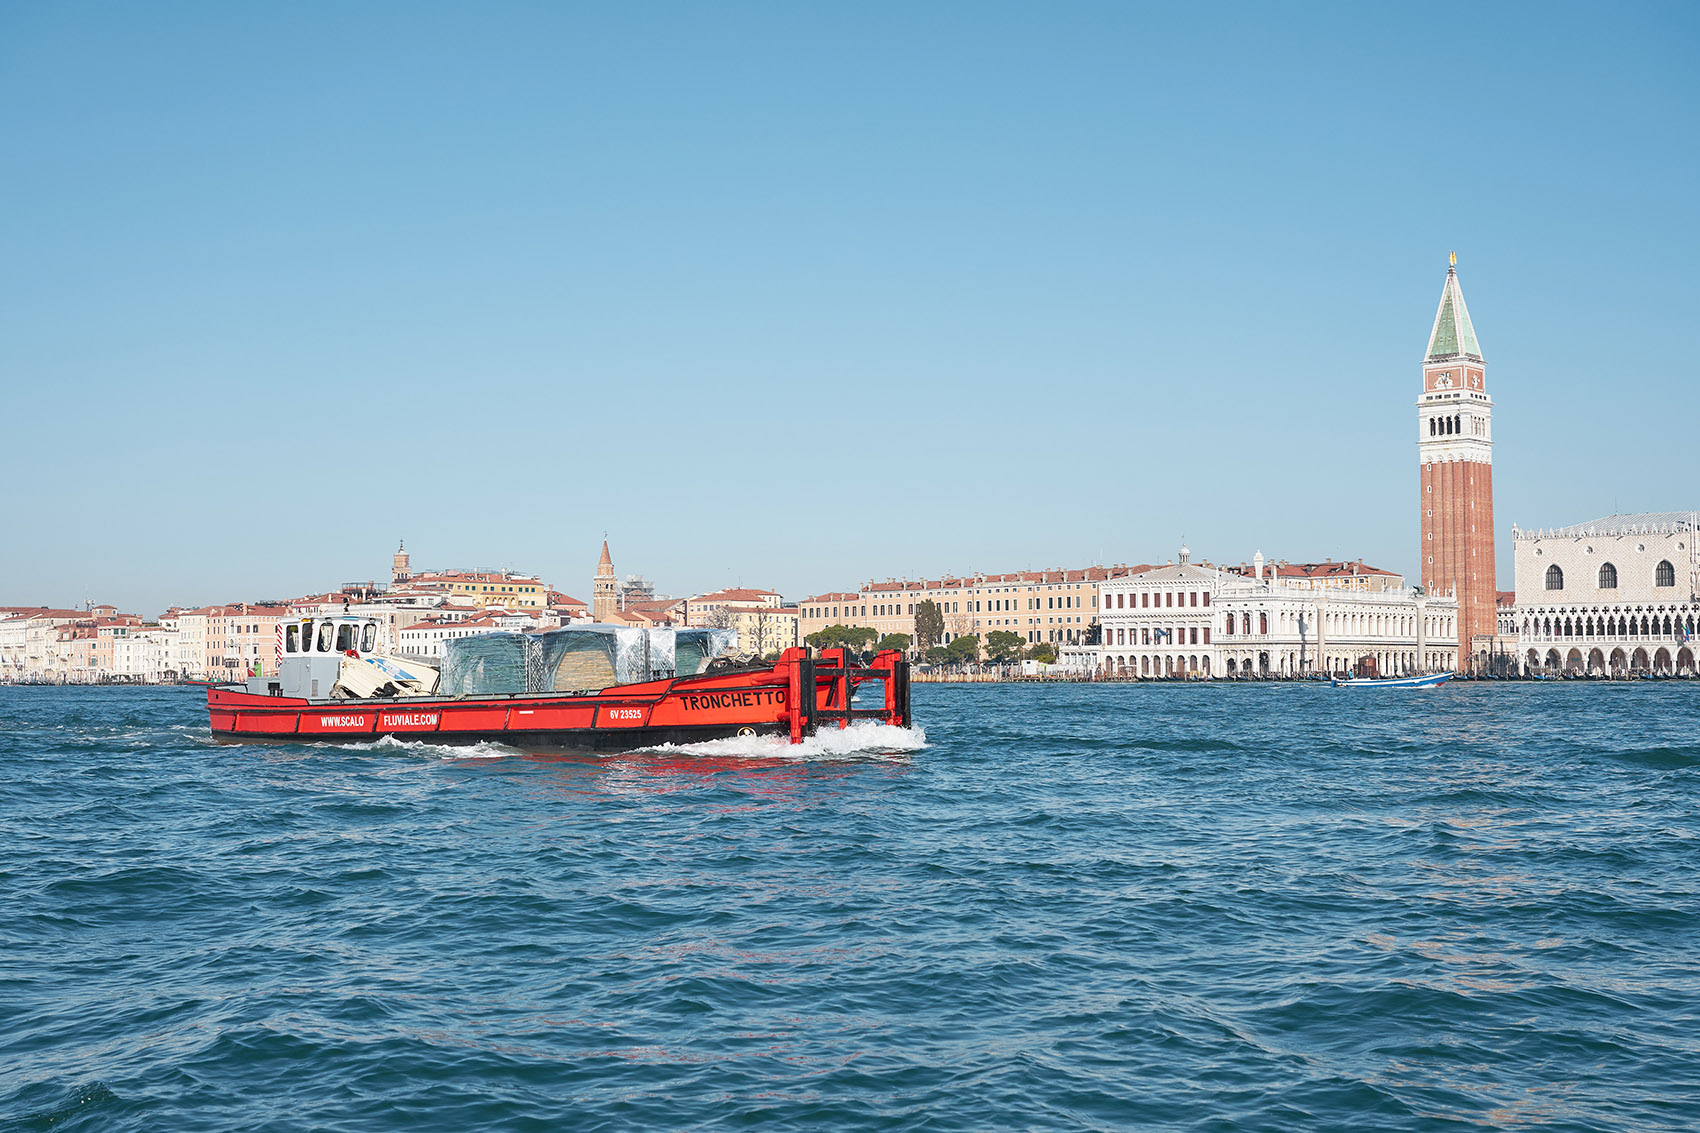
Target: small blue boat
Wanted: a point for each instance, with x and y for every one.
(1428, 680)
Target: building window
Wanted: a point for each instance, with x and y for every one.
(1608, 577)
(1555, 578)
(1664, 574)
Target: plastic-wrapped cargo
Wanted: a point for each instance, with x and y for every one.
(489, 664)
(631, 654)
(579, 658)
(693, 649)
(576, 658)
(722, 641)
(663, 645)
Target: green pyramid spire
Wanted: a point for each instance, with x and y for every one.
(1453, 333)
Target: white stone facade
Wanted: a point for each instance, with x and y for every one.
(1610, 597)
(1194, 621)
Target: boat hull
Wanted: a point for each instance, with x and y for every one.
(1428, 680)
(790, 699)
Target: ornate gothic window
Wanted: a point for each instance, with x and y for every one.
(1664, 574)
(1555, 578)
(1608, 577)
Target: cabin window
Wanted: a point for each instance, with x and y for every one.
(291, 639)
(325, 630)
(368, 637)
(345, 637)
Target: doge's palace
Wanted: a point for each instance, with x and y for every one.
(1613, 596)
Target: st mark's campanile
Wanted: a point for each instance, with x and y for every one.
(1455, 447)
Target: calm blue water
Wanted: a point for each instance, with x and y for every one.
(1113, 907)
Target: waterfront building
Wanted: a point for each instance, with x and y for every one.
(242, 641)
(29, 643)
(145, 654)
(1609, 597)
(764, 623)
(1455, 461)
(110, 627)
(72, 652)
(845, 608)
(1057, 607)
(482, 588)
(1192, 620)
(228, 643)
(425, 639)
(704, 609)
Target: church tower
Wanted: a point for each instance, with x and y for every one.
(605, 601)
(400, 566)
(1455, 451)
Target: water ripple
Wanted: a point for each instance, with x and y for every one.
(1123, 907)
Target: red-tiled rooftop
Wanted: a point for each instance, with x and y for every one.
(736, 594)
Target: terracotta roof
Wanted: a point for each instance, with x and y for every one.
(835, 596)
(657, 605)
(736, 594)
(1325, 569)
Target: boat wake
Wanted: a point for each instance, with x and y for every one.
(483, 750)
(862, 740)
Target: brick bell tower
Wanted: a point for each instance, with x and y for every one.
(1455, 448)
(605, 588)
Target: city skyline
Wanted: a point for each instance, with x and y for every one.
(1048, 291)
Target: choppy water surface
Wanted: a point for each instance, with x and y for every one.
(1099, 907)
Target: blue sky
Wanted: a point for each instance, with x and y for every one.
(799, 295)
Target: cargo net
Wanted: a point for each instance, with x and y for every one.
(577, 658)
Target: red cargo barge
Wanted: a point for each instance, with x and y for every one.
(791, 697)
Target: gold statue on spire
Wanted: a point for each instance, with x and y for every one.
(1454, 257)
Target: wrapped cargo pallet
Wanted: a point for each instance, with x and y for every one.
(490, 664)
(583, 658)
(576, 659)
(693, 649)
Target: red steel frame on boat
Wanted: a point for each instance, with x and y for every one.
(791, 697)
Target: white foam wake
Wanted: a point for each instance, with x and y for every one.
(864, 739)
(481, 750)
